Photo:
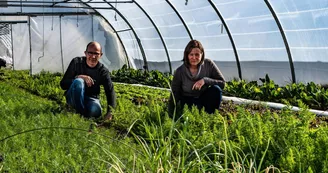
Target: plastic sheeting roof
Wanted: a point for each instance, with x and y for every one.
(285, 39)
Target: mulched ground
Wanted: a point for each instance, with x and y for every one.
(228, 107)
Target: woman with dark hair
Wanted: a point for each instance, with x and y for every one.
(198, 81)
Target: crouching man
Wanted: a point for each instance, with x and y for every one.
(82, 81)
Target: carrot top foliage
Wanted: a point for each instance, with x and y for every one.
(38, 134)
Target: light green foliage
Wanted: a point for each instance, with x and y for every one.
(50, 141)
(142, 138)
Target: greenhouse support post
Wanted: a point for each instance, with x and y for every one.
(180, 17)
(12, 45)
(136, 36)
(118, 36)
(158, 32)
(92, 28)
(283, 35)
(230, 37)
(29, 36)
(61, 43)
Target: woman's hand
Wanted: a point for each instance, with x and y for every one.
(198, 85)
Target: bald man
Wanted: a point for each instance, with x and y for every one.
(82, 81)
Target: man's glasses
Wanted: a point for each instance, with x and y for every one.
(94, 53)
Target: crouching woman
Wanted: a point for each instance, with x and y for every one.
(198, 81)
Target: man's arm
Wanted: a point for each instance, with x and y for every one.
(69, 76)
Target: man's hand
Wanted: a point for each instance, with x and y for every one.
(87, 79)
(108, 117)
(198, 85)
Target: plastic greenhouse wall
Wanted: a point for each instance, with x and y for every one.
(246, 38)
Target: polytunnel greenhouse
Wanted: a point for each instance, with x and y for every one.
(264, 109)
(247, 39)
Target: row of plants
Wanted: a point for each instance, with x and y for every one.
(138, 76)
(314, 95)
(234, 140)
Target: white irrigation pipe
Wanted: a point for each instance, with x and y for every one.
(273, 105)
(237, 100)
